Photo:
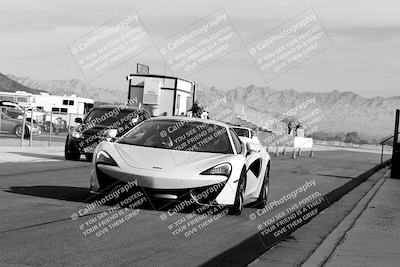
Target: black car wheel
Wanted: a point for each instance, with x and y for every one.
(71, 153)
(237, 207)
(263, 197)
(18, 131)
(89, 156)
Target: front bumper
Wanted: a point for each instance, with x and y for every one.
(212, 194)
(83, 145)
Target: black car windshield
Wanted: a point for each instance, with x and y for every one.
(182, 135)
(241, 132)
(108, 116)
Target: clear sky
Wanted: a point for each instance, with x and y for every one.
(364, 57)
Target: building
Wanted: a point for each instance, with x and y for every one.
(165, 95)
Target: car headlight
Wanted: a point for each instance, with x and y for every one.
(103, 158)
(220, 169)
(76, 134)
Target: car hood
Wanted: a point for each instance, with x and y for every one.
(167, 159)
(97, 128)
(90, 130)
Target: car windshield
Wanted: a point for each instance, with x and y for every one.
(11, 105)
(182, 135)
(109, 116)
(241, 132)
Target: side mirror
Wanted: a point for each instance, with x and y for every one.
(135, 119)
(78, 120)
(110, 134)
(252, 148)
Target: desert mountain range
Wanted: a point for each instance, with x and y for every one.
(344, 111)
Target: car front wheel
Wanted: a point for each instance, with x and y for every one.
(70, 153)
(18, 131)
(237, 207)
(263, 197)
(89, 157)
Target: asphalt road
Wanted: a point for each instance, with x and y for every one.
(37, 200)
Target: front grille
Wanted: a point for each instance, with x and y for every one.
(180, 194)
(203, 195)
(207, 194)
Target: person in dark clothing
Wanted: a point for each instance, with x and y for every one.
(290, 127)
(196, 109)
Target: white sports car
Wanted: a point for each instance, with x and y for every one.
(184, 159)
(246, 133)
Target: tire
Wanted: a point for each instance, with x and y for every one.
(263, 197)
(71, 153)
(18, 131)
(237, 207)
(89, 157)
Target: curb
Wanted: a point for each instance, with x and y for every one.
(321, 255)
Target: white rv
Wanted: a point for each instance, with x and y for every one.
(66, 107)
(63, 104)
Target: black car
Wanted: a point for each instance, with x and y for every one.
(84, 138)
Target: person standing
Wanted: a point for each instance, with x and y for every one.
(196, 109)
(299, 130)
(290, 127)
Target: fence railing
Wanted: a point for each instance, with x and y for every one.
(31, 125)
(384, 143)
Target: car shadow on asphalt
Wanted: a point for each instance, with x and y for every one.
(83, 195)
(36, 155)
(67, 193)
